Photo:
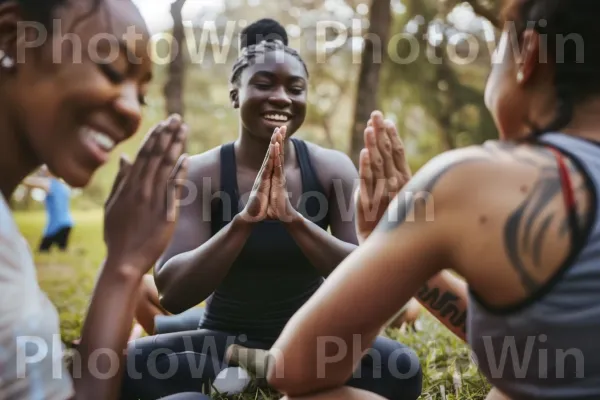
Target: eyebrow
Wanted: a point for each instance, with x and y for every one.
(272, 75)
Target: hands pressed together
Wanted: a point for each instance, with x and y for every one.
(269, 198)
(383, 172)
(141, 210)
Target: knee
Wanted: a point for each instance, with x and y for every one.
(406, 372)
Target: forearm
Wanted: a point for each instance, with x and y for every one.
(323, 250)
(189, 278)
(105, 333)
(446, 298)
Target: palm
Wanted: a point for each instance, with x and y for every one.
(277, 200)
(279, 203)
(383, 172)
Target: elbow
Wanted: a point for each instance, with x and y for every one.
(171, 303)
(169, 298)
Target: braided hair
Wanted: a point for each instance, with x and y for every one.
(256, 40)
(564, 23)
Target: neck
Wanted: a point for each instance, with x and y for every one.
(586, 121)
(251, 151)
(15, 161)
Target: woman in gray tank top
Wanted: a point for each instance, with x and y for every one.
(515, 217)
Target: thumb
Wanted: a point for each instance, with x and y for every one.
(124, 168)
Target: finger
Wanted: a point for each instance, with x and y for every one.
(177, 179)
(365, 176)
(384, 145)
(277, 137)
(398, 150)
(283, 133)
(124, 169)
(169, 160)
(265, 172)
(278, 167)
(370, 122)
(374, 155)
(143, 155)
(158, 152)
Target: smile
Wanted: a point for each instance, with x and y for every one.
(100, 139)
(98, 144)
(275, 117)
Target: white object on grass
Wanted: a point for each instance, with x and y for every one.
(232, 380)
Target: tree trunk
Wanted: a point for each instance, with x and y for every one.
(173, 89)
(374, 52)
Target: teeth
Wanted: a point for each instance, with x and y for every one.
(102, 140)
(276, 117)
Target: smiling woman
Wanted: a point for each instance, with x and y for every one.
(255, 244)
(69, 116)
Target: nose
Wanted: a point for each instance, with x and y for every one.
(129, 108)
(280, 98)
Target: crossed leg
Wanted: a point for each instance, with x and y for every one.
(343, 393)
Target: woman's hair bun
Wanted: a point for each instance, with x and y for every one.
(264, 29)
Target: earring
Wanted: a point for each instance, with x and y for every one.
(5, 61)
(520, 77)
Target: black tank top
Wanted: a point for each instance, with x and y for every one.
(271, 278)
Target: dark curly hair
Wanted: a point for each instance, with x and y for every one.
(259, 38)
(563, 23)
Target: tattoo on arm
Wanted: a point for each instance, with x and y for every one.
(518, 237)
(531, 223)
(444, 303)
(403, 204)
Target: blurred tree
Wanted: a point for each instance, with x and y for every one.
(375, 45)
(173, 89)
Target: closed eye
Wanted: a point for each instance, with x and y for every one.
(112, 74)
(142, 100)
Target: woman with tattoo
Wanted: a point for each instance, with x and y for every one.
(517, 218)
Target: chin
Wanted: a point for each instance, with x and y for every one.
(74, 176)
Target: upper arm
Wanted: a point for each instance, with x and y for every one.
(373, 282)
(193, 227)
(340, 175)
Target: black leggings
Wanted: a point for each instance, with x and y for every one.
(60, 238)
(162, 365)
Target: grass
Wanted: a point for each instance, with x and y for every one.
(68, 280)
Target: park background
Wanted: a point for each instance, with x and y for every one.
(424, 63)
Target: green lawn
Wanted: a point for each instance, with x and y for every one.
(69, 278)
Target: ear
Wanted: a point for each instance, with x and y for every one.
(234, 97)
(10, 16)
(530, 56)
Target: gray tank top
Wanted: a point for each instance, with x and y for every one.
(548, 347)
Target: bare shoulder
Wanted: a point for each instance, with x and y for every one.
(494, 177)
(205, 166)
(331, 163)
(492, 167)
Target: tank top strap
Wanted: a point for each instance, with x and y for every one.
(310, 181)
(228, 196)
(229, 183)
(313, 203)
